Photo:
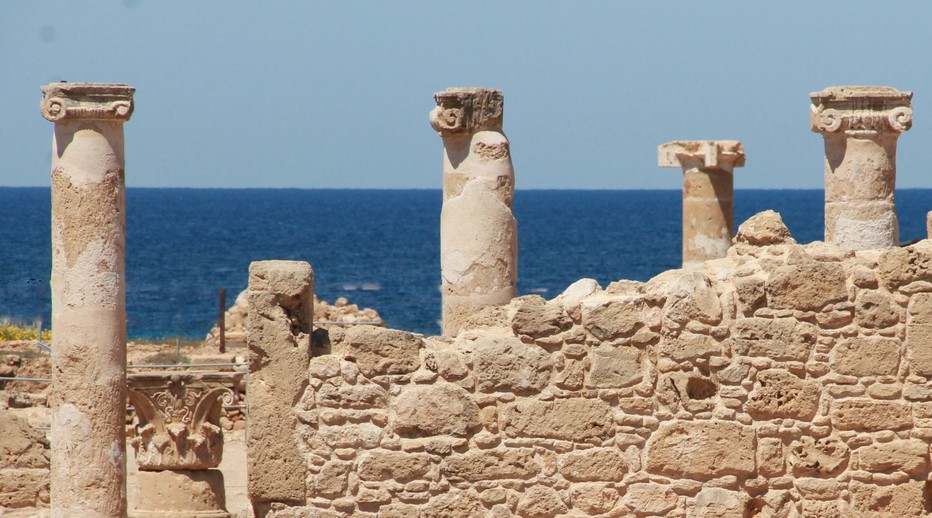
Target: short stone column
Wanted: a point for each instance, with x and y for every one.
(478, 230)
(278, 335)
(88, 398)
(179, 442)
(708, 194)
(860, 125)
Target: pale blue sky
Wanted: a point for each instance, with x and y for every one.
(336, 94)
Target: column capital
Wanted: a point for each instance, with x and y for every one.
(711, 154)
(861, 110)
(461, 111)
(87, 101)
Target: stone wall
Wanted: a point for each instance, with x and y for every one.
(24, 465)
(781, 381)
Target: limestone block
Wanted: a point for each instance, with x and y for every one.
(764, 228)
(919, 349)
(475, 466)
(439, 409)
(870, 415)
(505, 364)
(808, 286)
(875, 309)
(901, 500)
(572, 419)
(770, 457)
(595, 464)
(379, 351)
(23, 487)
(688, 346)
(331, 480)
(719, 503)
(650, 498)
(455, 504)
(750, 293)
(818, 457)
(344, 395)
(594, 498)
(867, 356)
(909, 456)
(898, 267)
(180, 493)
(614, 367)
(776, 338)
(540, 321)
(819, 509)
(701, 449)
(540, 502)
(919, 310)
(449, 364)
(692, 298)
(616, 318)
(819, 488)
(21, 446)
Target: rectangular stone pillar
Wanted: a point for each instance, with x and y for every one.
(88, 398)
(478, 230)
(281, 309)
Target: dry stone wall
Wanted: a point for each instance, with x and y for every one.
(780, 381)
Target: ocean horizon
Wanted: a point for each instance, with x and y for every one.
(379, 248)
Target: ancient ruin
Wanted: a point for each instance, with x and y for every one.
(88, 297)
(860, 125)
(708, 194)
(478, 231)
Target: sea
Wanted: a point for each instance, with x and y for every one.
(377, 248)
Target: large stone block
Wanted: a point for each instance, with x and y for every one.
(650, 499)
(870, 415)
(777, 338)
(875, 309)
(867, 356)
(379, 351)
(540, 321)
(919, 349)
(505, 364)
(898, 267)
(907, 500)
(818, 457)
(614, 367)
(616, 318)
(474, 466)
(808, 286)
(540, 502)
(692, 298)
(441, 409)
(574, 419)
(701, 449)
(594, 498)
(919, 309)
(387, 465)
(720, 503)
(596, 464)
(909, 456)
(456, 504)
(782, 394)
(688, 346)
(23, 487)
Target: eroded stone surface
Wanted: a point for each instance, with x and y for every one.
(699, 449)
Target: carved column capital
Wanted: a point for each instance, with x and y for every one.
(87, 101)
(861, 110)
(462, 111)
(706, 154)
(179, 416)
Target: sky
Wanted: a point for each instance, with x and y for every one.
(319, 94)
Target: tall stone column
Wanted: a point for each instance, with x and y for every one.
(860, 125)
(478, 230)
(708, 194)
(88, 396)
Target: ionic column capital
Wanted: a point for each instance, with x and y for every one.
(861, 110)
(704, 154)
(87, 101)
(462, 111)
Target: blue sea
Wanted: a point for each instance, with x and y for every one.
(378, 248)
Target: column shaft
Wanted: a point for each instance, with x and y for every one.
(88, 400)
(478, 230)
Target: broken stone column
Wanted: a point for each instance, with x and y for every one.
(278, 331)
(708, 194)
(179, 442)
(860, 125)
(88, 398)
(478, 231)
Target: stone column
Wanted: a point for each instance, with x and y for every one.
(708, 194)
(179, 442)
(278, 335)
(478, 231)
(860, 125)
(88, 396)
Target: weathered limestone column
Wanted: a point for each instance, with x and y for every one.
(478, 231)
(708, 194)
(860, 125)
(278, 335)
(88, 397)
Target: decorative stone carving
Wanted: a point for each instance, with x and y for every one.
(708, 194)
(88, 101)
(179, 417)
(478, 230)
(860, 125)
